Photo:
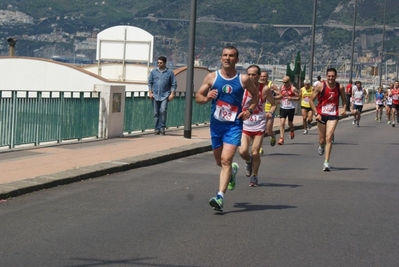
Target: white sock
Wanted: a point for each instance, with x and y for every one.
(220, 193)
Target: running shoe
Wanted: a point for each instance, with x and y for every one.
(393, 124)
(248, 167)
(261, 151)
(354, 122)
(305, 132)
(216, 203)
(320, 150)
(309, 125)
(332, 139)
(379, 120)
(376, 118)
(389, 122)
(233, 179)
(281, 141)
(357, 124)
(292, 134)
(326, 167)
(273, 141)
(254, 181)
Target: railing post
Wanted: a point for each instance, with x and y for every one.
(60, 117)
(38, 121)
(13, 118)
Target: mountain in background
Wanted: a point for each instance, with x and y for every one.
(68, 27)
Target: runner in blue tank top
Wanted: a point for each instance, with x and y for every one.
(225, 88)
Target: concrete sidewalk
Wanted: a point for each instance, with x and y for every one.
(35, 168)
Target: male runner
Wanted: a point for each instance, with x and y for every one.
(327, 111)
(225, 88)
(394, 93)
(379, 103)
(358, 94)
(288, 95)
(264, 78)
(307, 112)
(254, 127)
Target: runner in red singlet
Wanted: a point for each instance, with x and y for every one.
(327, 112)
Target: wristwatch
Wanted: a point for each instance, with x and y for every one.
(250, 110)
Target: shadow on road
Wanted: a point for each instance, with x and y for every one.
(245, 207)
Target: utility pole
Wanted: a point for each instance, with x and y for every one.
(353, 39)
(382, 49)
(312, 44)
(190, 71)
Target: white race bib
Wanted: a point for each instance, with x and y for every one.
(254, 119)
(328, 109)
(225, 111)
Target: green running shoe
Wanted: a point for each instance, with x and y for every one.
(233, 179)
(273, 141)
(216, 203)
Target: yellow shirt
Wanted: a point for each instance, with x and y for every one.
(306, 96)
(268, 106)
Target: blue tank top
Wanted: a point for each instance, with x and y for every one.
(231, 91)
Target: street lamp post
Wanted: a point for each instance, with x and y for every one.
(383, 41)
(353, 40)
(190, 70)
(312, 44)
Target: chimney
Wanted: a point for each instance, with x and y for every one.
(11, 43)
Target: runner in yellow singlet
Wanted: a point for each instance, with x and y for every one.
(264, 78)
(307, 112)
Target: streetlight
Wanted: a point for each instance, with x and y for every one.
(383, 38)
(312, 44)
(353, 40)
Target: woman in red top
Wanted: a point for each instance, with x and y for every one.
(327, 112)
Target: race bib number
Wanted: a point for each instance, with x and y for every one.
(358, 101)
(225, 111)
(329, 110)
(254, 119)
(286, 103)
(395, 97)
(379, 102)
(306, 100)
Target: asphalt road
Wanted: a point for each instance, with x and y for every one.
(159, 215)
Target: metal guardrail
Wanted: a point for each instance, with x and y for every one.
(139, 113)
(30, 117)
(33, 118)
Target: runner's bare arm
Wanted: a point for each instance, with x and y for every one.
(315, 94)
(343, 98)
(204, 95)
(250, 86)
(267, 95)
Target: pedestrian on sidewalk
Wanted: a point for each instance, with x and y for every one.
(289, 96)
(225, 88)
(254, 127)
(307, 113)
(161, 89)
(327, 93)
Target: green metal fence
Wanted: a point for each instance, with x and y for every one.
(37, 117)
(139, 114)
(28, 117)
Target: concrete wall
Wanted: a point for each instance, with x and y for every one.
(36, 74)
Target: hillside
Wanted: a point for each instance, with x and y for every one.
(55, 24)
